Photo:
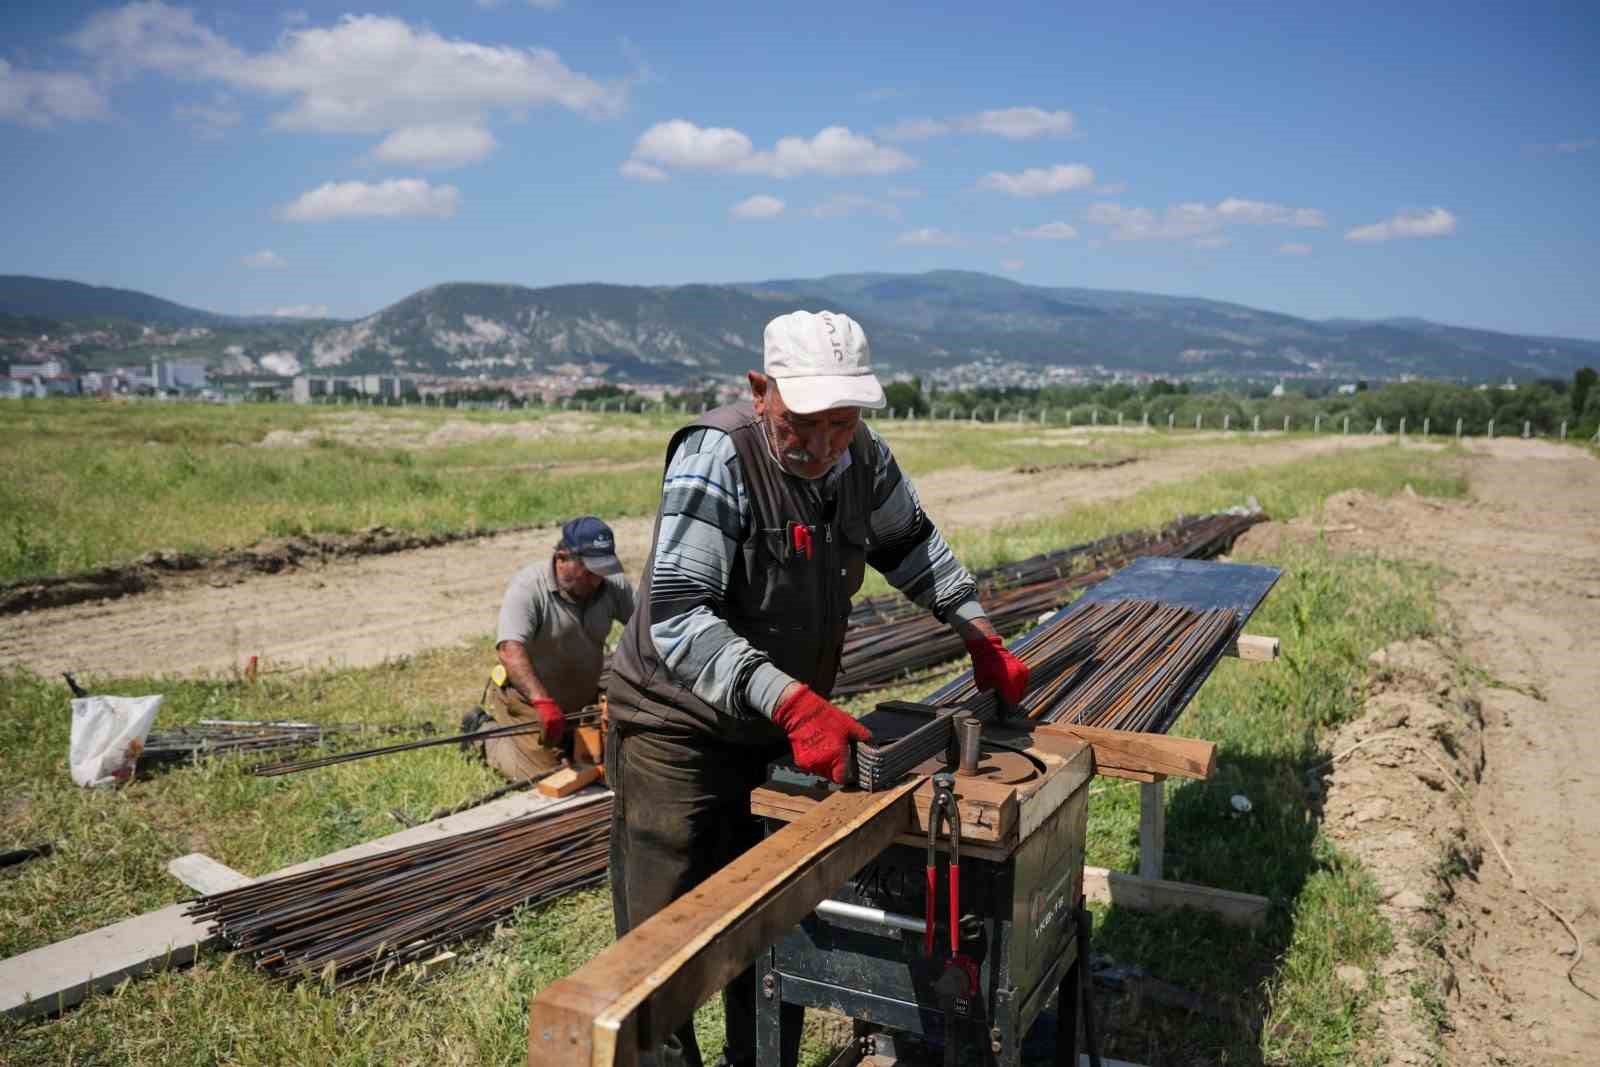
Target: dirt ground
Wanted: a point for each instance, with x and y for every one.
(1503, 705)
(362, 611)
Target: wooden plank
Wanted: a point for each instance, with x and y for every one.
(55, 977)
(588, 745)
(205, 875)
(637, 991)
(1152, 829)
(567, 781)
(1147, 754)
(1156, 895)
(1253, 648)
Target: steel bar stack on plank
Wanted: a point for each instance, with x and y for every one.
(224, 737)
(369, 915)
(1127, 657)
(905, 640)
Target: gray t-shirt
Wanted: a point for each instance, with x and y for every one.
(565, 641)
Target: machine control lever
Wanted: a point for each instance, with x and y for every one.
(945, 806)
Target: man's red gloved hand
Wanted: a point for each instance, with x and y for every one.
(555, 723)
(995, 668)
(819, 733)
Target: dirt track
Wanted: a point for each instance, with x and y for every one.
(365, 611)
(1523, 600)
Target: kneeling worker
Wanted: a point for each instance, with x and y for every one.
(551, 642)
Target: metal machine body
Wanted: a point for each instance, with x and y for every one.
(862, 953)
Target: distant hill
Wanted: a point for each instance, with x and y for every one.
(54, 298)
(959, 311)
(916, 322)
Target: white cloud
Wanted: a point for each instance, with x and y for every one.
(395, 198)
(834, 151)
(1050, 231)
(1012, 123)
(642, 172)
(436, 145)
(266, 259)
(1293, 248)
(915, 130)
(760, 206)
(929, 237)
(1020, 123)
(545, 5)
(211, 119)
(843, 205)
(1434, 222)
(1012, 265)
(1581, 145)
(1197, 223)
(41, 98)
(1039, 181)
(362, 74)
(302, 311)
(680, 143)
(1260, 213)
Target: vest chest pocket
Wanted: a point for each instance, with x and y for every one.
(784, 590)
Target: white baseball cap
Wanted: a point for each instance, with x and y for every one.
(821, 361)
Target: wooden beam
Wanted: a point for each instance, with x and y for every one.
(1253, 648)
(1153, 756)
(639, 990)
(205, 875)
(568, 780)
(1156, 895)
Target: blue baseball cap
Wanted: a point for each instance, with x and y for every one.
(594, 543)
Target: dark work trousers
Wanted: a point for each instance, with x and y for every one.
(681, 812)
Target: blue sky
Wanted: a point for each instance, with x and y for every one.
(1318, 159)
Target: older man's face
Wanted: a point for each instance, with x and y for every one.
(807, 446)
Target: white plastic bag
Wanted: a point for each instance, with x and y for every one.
(107, 735)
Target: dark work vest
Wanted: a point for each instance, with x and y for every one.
(789, 606)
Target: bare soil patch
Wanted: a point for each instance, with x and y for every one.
(1504, 708)
(329, 608)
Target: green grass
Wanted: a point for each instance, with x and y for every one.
(89, 484)
(1330, 611)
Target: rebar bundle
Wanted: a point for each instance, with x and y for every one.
(905, 639)
(226, 736)
(1119, 665)
(366, 916)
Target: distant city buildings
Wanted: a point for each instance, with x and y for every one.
(307, 389)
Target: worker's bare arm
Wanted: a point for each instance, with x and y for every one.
(519, 670)
(978, 629)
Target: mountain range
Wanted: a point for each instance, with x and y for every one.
(916, 322)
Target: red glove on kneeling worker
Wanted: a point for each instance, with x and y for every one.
(995, 668)
(551, 718)
(819, 733)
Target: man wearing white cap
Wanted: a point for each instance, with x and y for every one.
(770, 511)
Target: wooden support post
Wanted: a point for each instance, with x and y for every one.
(1152, 828)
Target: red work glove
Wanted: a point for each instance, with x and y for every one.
(819, 733)
(995, 668)
(555, 723)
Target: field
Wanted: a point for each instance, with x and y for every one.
(101, 485)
